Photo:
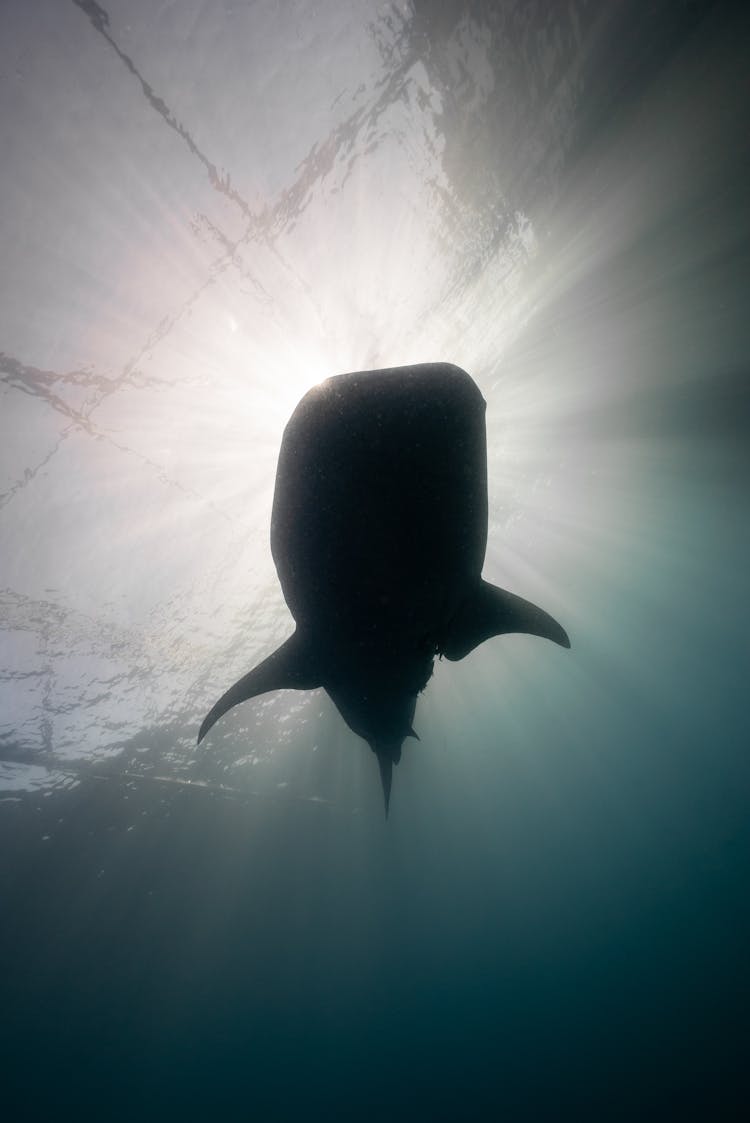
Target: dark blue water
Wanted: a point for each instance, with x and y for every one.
(204, 211)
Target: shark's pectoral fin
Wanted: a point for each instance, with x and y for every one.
(493, 612)
(290, 667)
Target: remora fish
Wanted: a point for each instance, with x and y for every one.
(378, 532)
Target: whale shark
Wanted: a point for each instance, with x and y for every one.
(378, 534)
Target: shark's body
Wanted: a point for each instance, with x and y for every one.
(378, 532)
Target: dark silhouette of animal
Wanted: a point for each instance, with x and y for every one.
(378, 532)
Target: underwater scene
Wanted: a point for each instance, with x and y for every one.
(423, 863)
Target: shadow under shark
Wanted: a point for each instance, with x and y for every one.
(378, 532)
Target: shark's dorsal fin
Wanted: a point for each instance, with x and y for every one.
(490, 611)
(288, 668)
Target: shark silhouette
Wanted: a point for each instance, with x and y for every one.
(378, 532)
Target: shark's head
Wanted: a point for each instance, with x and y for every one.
(376, 698)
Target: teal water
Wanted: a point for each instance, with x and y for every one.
(204, 211)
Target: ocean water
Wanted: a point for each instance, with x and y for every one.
(205, 210)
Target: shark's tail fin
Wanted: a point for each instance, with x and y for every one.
(385, 763)
(388, 753)
(490, 611)
(288, 668)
